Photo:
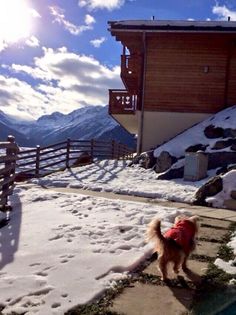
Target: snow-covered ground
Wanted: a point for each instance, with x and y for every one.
(63, 249)
(115, 176)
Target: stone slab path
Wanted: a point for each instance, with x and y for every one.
(163, 299)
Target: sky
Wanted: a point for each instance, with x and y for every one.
(57, 55)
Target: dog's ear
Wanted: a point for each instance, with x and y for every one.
(178, 218)
(194, 219)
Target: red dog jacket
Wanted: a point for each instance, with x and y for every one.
(183, 233)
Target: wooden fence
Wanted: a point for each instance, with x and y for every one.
(8, 158)
(40, 161)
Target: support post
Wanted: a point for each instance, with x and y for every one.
(112, 149)
(37, 161)
(92, 148)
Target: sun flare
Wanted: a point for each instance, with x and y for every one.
(15, 20)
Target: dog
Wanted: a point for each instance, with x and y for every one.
(176, 244)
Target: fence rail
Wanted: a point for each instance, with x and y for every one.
(43, 160)
(16, 164)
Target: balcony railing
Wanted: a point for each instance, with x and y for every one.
(129, 65)
(130, 68)
(122, 102)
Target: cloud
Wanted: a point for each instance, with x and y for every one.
(19, 98)
(101, 4)
(63, 81)
(59, 18)
(98, 42)
(32, 41)
(223, 12)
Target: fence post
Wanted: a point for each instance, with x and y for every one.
(37, 161)
(68, 153)
(92, 148)
(11, 154)
(118, 153)
(112, 149)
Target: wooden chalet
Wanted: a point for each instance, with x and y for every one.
(175, 73)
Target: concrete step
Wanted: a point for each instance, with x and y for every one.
(230, 204)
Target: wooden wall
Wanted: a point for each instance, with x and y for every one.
(190, 72)
(231, 88)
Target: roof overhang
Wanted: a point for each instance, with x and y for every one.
(172, 26)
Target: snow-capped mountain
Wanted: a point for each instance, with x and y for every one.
(84, 123)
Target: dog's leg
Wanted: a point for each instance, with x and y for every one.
(184, 264)
(177, 266)
(163, 267)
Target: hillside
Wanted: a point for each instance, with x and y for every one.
(215, 138)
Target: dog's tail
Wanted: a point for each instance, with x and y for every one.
(154, 231)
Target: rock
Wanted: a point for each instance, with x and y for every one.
(172, 173)
(84, 158)
(229, 133)
(145, 159)
(212, 132)
(221, 159)
(164, 162)
(148, 160)
(233, 146)
(196, 147)
(210, 188)
(221, 144)
(225, 169)
(233, 194)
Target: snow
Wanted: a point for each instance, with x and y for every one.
(228, 266)
(229, 184)
(110, 176)
(63, 249)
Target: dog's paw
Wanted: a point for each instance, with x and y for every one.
(186, 269)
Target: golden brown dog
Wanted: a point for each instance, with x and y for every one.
(176, 244)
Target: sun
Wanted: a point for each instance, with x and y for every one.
(15, 20)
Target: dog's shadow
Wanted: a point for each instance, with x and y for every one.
(194, 277)
(182, 287)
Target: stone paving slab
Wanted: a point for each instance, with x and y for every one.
(198, 269)
(214, 222)
(205, 248)
(146, 299)
(211, 233)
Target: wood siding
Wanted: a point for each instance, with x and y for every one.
(188, 72)
(231, 88)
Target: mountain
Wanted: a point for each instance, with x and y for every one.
(91, 122)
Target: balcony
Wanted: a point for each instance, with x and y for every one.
(122, 102)
(130, 69)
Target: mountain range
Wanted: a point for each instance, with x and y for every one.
(91, 122)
